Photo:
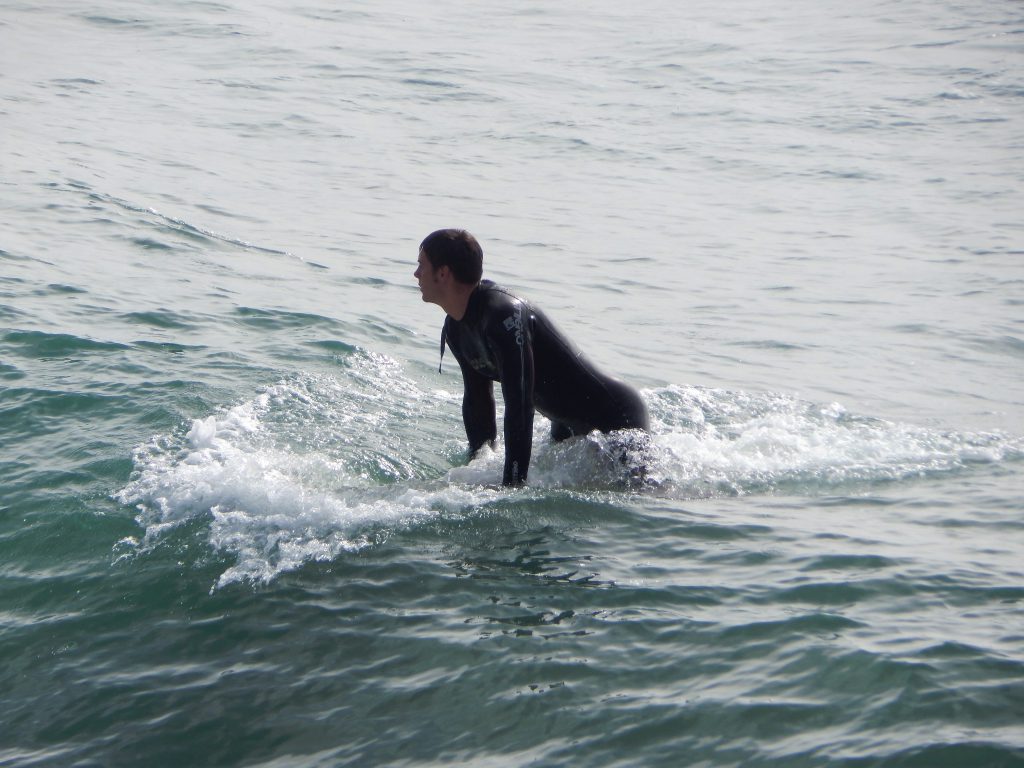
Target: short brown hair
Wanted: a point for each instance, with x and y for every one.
(458, 250)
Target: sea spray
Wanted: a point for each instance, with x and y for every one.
(319, 465)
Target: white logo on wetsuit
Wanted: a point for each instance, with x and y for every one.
(515, 323)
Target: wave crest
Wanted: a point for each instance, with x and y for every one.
(316, 465)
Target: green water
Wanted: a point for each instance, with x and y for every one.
(237, 522)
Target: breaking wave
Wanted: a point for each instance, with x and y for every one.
(319, 465)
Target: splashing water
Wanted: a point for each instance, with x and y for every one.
(739, 443)
(317, 465)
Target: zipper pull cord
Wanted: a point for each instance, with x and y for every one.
(444, 336)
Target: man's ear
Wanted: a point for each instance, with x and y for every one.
(443, 273)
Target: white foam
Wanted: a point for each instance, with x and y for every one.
(746, 443)
(309, 469)
(316, 466)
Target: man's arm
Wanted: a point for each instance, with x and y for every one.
(477, 408)
(512, 340)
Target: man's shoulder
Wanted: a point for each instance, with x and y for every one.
(495, 296)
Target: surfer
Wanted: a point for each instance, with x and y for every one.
(497, 336)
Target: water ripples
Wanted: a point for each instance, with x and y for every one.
(238, 526)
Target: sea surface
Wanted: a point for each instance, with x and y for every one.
(238, 525)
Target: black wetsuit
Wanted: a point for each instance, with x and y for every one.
(503, 338)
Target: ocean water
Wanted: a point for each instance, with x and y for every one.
(237, 522)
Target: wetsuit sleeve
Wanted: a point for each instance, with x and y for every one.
(511, 340)
(477, 407)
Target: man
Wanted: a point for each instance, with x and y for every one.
(497, 336)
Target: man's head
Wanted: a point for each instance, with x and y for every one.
(458, 250)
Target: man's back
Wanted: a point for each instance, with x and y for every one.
(503, 338)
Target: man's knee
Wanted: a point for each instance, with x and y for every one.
(560, 431)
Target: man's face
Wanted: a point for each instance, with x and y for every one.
(427, 277)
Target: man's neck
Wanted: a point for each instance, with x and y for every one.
(456, 303)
